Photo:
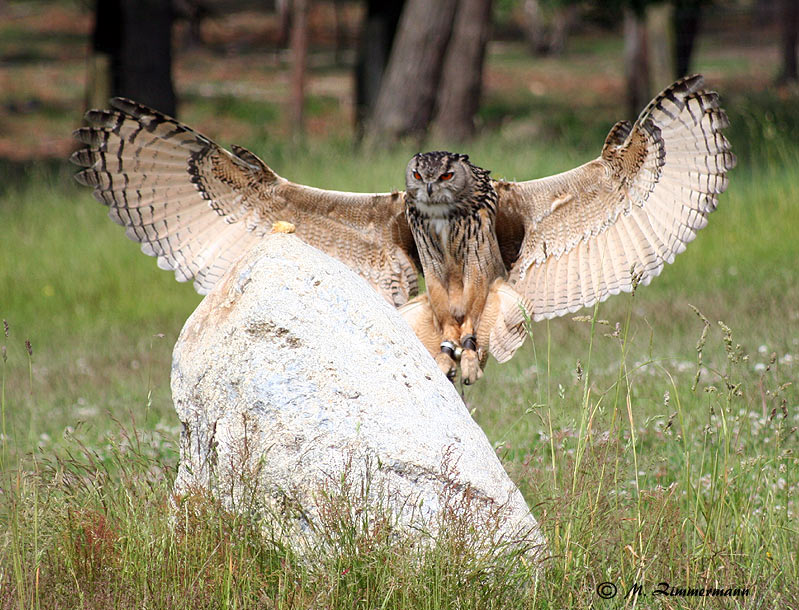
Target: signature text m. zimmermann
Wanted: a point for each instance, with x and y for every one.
(666, 589)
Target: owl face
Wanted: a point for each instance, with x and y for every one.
(437, 181)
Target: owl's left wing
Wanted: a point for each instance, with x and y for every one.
(576, 238)
(198, 207)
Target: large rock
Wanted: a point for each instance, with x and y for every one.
(293, 375)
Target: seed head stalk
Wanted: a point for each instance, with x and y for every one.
(3, 395)
(29, 349)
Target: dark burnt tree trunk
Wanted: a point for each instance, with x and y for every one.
(636, 59)
(789, 20)
(462, 76)
(377, 35)
(132, 53)
(106, 41)
(686, 21)
(410, 85)
(142, 66)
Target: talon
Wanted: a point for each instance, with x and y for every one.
(447, 365)
(470, 367)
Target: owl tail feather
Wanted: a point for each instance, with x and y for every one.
(502, 323)
(419, 316)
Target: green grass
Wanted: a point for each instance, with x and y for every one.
(638, 471)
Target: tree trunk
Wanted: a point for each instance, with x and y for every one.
(462, 77)
(299, 63)
(566, 17)
(132, 54)
(193, 12)
(410, 84)
(106, 41)
(685, 22)
(789, 18)
(283, 8)
(374, 48)
(658, 34)
(636, 61)
(535, 27)
(547, 28)
(142, 64)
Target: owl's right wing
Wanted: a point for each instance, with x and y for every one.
(197, 207)
(576, 238)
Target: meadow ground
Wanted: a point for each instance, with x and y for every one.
(655, 437)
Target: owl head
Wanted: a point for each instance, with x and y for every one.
(436, 181)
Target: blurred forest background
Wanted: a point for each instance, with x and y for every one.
(379, 70)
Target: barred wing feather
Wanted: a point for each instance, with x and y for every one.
(601, 228)
(197, 207)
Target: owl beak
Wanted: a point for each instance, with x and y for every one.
(429, 188)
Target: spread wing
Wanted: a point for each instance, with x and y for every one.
(575, 238)
(198, 207)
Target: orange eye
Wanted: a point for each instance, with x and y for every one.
(417, 175)
(446, 176)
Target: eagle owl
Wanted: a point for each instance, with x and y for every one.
(492, 252)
